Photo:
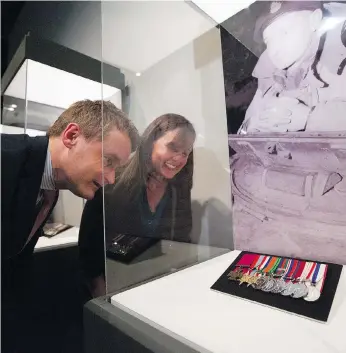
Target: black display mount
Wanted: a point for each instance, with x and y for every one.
(318, 310)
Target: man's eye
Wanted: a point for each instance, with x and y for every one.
(108, 162)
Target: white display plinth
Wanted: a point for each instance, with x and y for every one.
(183, 306)
(64, 239)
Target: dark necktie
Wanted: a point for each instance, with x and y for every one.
(45, 202)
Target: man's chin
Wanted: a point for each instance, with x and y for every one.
(89, 195)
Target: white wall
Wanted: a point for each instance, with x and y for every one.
(190, 82)
(138, 34)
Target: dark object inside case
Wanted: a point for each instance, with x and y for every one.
(318, 310)
(125, 248)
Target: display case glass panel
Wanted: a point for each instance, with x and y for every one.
(170, 207)
(14, 108)
(274, 192)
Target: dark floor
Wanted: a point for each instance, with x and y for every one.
(46, 307)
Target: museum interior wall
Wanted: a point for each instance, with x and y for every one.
(190, 82)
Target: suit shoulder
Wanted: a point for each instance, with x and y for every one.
(14, 143)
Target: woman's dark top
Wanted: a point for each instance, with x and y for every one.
(149, 219)
(171, 220)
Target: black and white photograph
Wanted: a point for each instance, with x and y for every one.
(285, 86)
(295, 54)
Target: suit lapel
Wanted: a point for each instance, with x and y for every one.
(28, 189)
(30, 246)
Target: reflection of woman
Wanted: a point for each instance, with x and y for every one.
(151, 197)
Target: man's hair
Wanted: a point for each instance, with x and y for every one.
(94, 119)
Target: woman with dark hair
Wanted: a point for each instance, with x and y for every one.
(151, 196)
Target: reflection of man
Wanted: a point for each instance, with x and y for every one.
(301, 74)
(73, 156)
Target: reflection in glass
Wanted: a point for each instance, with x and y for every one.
(151, 199)
(174, 68)
(14, 110)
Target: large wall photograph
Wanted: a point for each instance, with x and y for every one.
(285, 84)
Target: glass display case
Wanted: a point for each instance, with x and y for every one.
(174, 86)
(268, 174)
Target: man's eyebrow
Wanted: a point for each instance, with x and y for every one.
(113, 157)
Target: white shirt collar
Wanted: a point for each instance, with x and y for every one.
(47, 182)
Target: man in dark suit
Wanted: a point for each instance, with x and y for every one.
(80, 153)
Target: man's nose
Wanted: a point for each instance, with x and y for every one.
(109, 176)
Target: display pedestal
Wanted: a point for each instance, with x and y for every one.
(183, 309)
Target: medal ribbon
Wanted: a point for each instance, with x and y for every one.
(299, 271)
(289, 264)
(284, 264)
(247, 270)
(265, 263)
(253, 264)
(311, 272)
(306, 271)
(324, 277)
(258, 263)
(270, 264)
(292, 269)
(317, 270)
(262, 265)
(281, 264)
(303, 272)
(246, 260)
(276, 265)
(319, 273)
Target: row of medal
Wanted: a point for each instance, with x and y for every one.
(288, 277)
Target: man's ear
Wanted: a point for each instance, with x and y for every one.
(70, 134)
(316, 18)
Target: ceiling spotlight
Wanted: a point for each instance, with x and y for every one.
(138, 74)
(14, 106)
(9, 108)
